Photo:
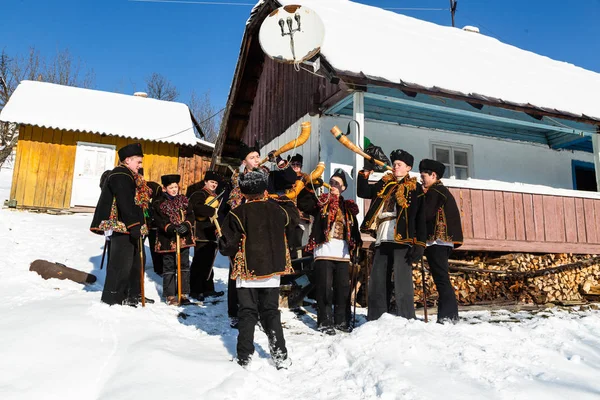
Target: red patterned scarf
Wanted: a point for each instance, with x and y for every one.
(175, 209)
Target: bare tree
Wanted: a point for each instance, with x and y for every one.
(63, 69)
(207, 114)
(159, 87)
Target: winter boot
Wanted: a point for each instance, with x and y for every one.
(283, 364)
(214, 294)
(244, 362)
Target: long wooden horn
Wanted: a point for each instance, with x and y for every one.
(339, 135)
(299, 141)
(301, 183)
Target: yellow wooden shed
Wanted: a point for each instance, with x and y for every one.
(69, 136)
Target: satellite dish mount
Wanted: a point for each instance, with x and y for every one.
(292, 34)
(291, 30)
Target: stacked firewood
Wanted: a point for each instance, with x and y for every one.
(523, 278)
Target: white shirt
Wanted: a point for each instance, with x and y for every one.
(385, 230)
(334, 249)
(440, 243)
(270, 282)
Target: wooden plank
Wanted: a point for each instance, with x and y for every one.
(499, 200)
(560, 218)
(32, 167)
(550, 218)
(590, 221)
(21, 155)
(570, 219)
(529, 217)
(490, 215)
(519, 215)
(511, 246)
(66, 164)
(478, 214)
(597, 218)
(53, 163)
(509, 216)
(538, 216)
(580, 217)
(44, 171)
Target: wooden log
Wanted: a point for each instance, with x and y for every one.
(47, 270)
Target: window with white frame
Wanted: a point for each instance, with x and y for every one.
(457, 159)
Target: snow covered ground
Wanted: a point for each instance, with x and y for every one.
(58, 341)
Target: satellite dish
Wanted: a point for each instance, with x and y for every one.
(292, 34)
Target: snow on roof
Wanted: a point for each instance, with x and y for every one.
(384, 45)
(502, 186)
(85, 110)
(204, 143)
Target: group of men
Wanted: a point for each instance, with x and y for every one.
(264, 222)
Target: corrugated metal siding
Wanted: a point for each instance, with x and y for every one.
(309, 150)
(283, 97)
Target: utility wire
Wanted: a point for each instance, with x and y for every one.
(213, 3)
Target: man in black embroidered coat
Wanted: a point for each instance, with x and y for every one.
(174, 218)
(444, 233)
(254, 235)
(233, 197)
(201, 276)
(119, 213)
(396, 218)
(152, 230)
(333, 238)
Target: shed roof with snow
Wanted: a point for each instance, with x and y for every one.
(48, 105)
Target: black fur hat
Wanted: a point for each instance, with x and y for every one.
(297, 158)
(253, 182)
(342, 175)
(133, 149)
(402, 155)
(244, 150)
(212, 176)
(168, 179)
(433, 166)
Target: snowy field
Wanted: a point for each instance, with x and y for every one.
(58, 341)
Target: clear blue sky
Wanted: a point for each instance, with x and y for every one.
(196, 46)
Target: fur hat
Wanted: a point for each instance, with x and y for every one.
(244, 150)
(342, 175)
(134, 149)
(253, 182)
(433, 166)
(297, 158)
(168, 179)
(212, 176)
(404, 156)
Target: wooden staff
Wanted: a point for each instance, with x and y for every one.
(339, 135)
(142, 272)
(424, 289)
(178, 268)
(299, 141)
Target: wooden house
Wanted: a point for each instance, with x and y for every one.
(69, 136)
(517, 131)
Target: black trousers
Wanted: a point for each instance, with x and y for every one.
(157, 259)
(232, 294)
(260, 303)
(437, 258)
(123, 270)
(388, 257)
(201, 276)
(332, 292)
(170, 270)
